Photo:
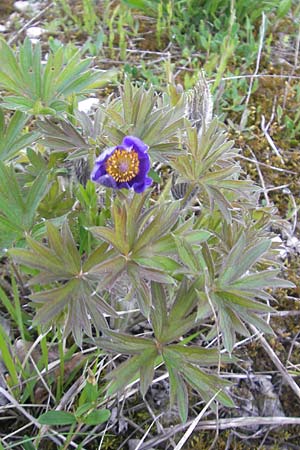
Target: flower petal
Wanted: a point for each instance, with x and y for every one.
(107, 181)
(141, 187)
(140, 182)
(124, 185)
(144, 165)
(136, 143)
(143, 170)
(104, 155)
(97, 172)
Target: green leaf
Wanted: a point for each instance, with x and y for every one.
(108, 271)
(164, 219)
(142, 291)
(26, 445)
(227, 329)
(154, 175)
(54, 301)
(177, 328)
(147, 373)
(178, 391)
(12, 204)
(36, 193)
(283, 8)
(9, 63)
(12, 137)
(109, 236)
(85, 407)
(46, 260)
(128, 344)
(209, 262)
(152, 274)
(134, 210)
(97, 256)
(144, 5)
(240, 260)
(157, 262)
(233, 298)
(259, 323)
(158, 316)
(41, 89)
(5, 352)
(182, 399)
(185, 301)
(8, 305)
(238, 324)
(186, 254)
(263, 279)
(64, 246)
(126, 372)
(97, 417)
(207, 383)
(198, 355)
(57, 418)
(216, 196)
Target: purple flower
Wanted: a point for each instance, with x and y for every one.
(124, 166)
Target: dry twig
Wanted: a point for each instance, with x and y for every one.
(293, 385)
(223, 424)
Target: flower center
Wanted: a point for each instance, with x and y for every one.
(123, 165)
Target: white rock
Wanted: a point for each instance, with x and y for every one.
(294, 243)
(35, 6)
(281, 247)
(277, 239)
(2, 28)
(88, 104)
(12, 19)
(34, 32)
(22, 6)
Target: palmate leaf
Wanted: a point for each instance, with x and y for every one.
(183, 362)
(12, 135)
(61, 135)
(178, 392)
(37, 88)
(74, 299)
(240, 259)
(138, 112)
(208, 164)
(57, 202)
(128, 371)
(127, 344)
(18, 205)
(135, 232)
(237, 290)
(182, 372)
(180, 362)
(170, 324)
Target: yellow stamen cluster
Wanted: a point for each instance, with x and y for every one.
(123, 165)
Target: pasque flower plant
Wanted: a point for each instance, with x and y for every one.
(124, 166)
(175, 265)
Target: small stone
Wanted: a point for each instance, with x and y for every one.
(22, 6)
(34, 32)
(3, 28)
(13, 18)
(294, 243)
(277, 239)
(88, 104)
